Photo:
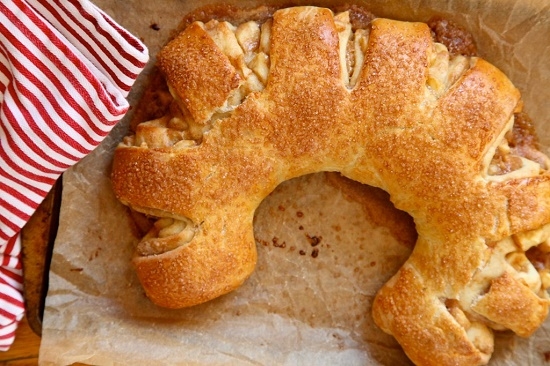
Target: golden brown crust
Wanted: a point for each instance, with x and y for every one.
(513, 304)
(423, 326)
(427, 143)
(204, 64)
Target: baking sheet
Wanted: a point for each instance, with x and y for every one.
(305, 303)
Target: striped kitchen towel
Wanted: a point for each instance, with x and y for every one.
(66, 68)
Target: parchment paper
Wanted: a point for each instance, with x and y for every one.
(323, 251)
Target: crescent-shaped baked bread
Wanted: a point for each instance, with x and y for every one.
(303, 92)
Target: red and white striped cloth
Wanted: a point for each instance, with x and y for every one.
(65, 70)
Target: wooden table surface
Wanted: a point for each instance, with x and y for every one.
(24, 351)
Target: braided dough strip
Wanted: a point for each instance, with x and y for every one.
(395, 117)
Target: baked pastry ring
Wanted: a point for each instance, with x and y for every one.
(256, 105)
